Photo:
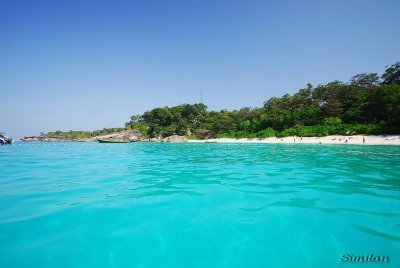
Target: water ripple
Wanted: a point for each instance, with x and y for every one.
(164, 201)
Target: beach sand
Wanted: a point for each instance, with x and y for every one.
(335, 139)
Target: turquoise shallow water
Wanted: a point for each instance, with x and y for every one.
(197, 205)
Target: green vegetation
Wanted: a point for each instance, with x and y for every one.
(367, 104)
(72, 134)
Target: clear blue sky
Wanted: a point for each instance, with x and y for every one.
(85, 65)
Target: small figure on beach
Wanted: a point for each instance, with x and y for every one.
(363, 139)
(346, 141)
(294, 140)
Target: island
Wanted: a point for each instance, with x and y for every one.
(364, 110)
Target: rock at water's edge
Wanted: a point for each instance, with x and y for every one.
(175, 138)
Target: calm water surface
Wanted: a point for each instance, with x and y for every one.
(197, 205)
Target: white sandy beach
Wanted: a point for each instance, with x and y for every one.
(335, 139)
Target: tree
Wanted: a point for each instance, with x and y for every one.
(392, 74)
(303, 98)
(391, 100)
(136, 118)
(365, 80)
(330, 98)
(245, 125)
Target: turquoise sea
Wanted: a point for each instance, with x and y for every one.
(197, 205)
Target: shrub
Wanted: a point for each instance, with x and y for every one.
(288, 132)
(332, 121)
(266, 133)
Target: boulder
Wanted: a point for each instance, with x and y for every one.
(156, 139)
(175, 138)
(131, 135)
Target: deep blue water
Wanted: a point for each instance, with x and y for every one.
(197, 205)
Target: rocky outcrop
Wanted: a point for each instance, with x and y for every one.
(175, 138)
(44, 138)
(156, 139)
(126, 135)
(131, 135)
(5, 140)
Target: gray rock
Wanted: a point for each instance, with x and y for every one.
(175, 138)
(131, 135)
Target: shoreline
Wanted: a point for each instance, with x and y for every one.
(330, 140)
(333, 139)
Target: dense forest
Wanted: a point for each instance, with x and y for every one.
(367, 104)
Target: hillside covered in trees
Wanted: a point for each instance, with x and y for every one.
(367, 104)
